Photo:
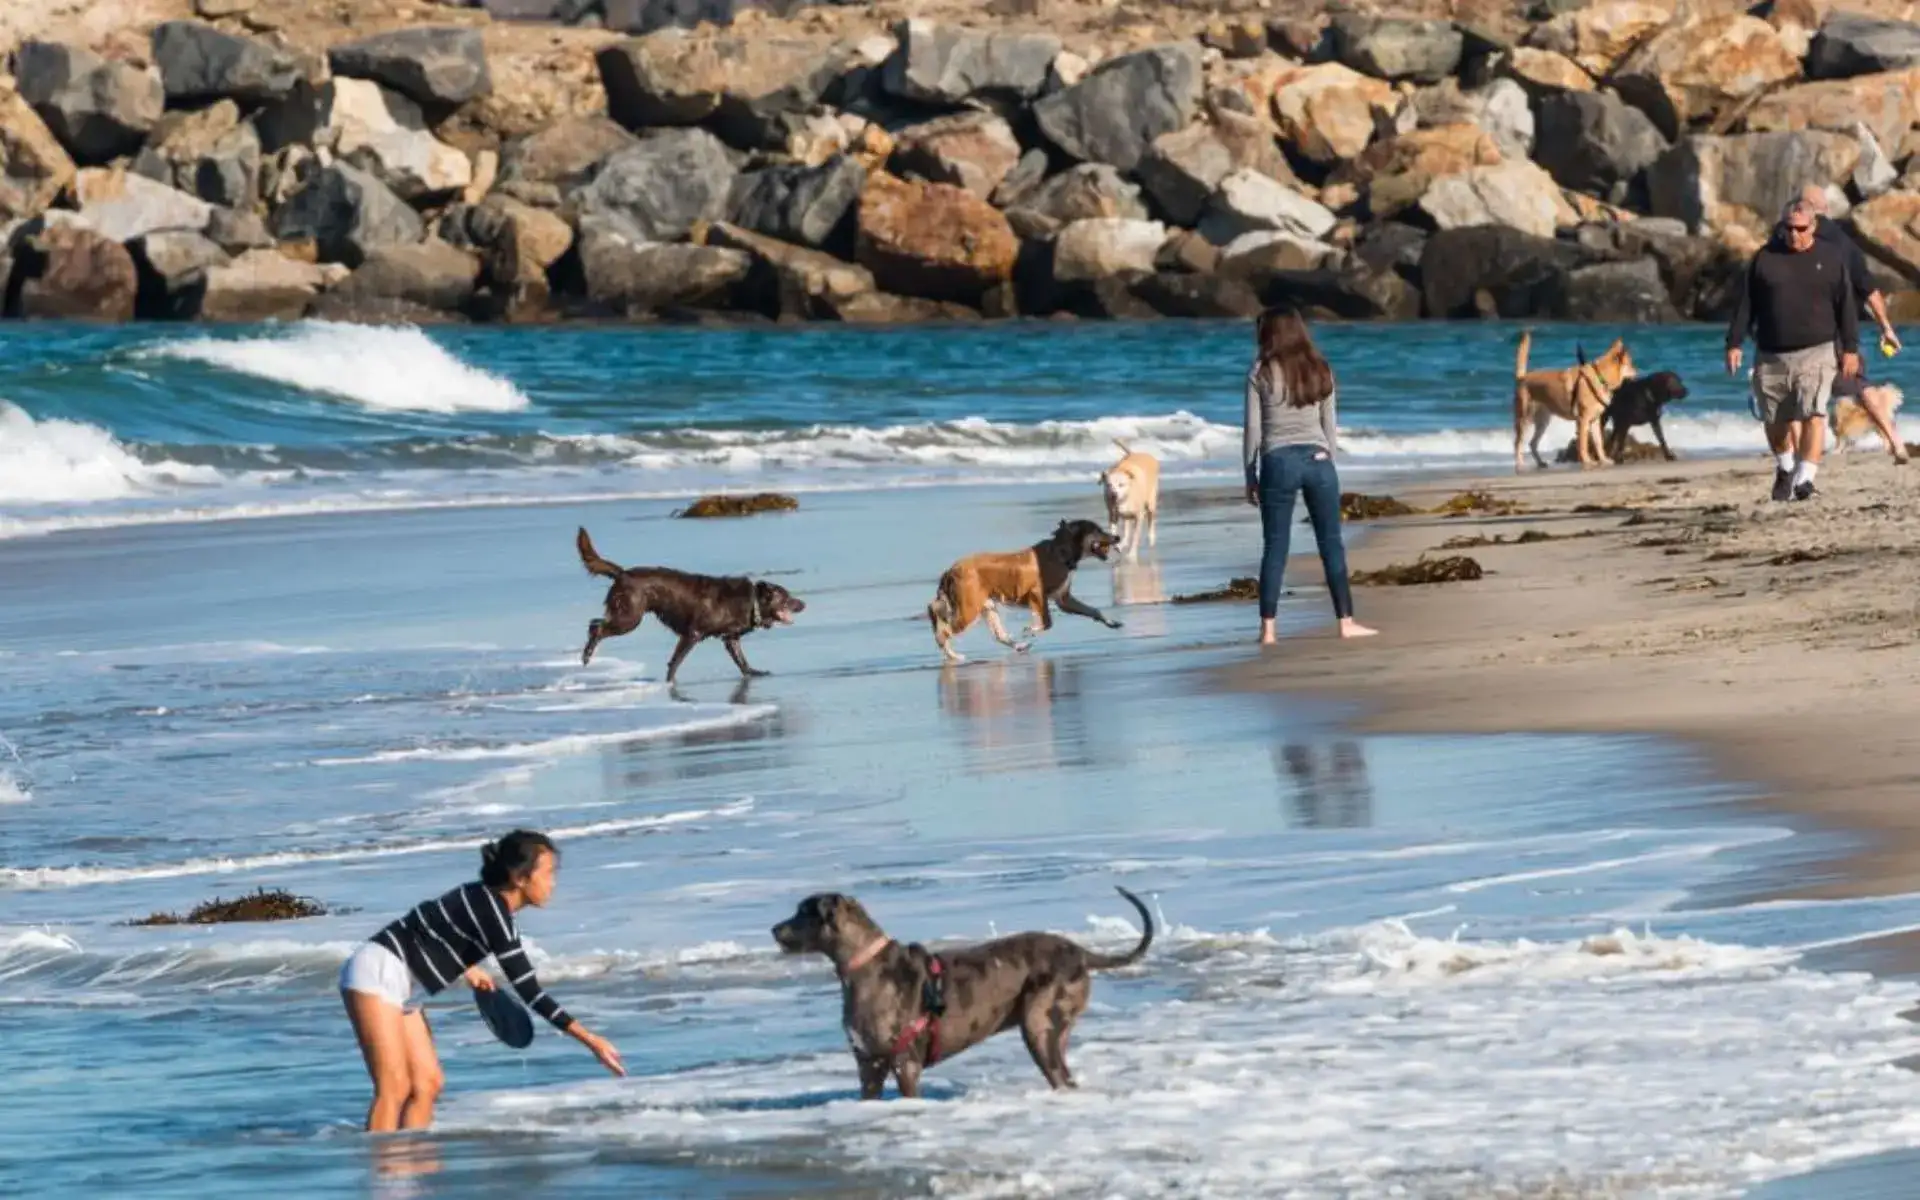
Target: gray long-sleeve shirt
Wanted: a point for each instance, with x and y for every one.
(1271, 421)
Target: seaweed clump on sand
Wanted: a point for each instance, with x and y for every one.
(1243, 588)
(263, 905)
(1480, 504)
(1636, 451)
(1526, 538)
(1456, 568)
(1358, 506)
(739, 506)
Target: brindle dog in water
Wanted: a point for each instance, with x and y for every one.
(904, 1008)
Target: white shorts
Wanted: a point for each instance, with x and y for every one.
(375, 970)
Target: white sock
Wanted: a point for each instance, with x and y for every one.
(1786, 460)
(1805, 472)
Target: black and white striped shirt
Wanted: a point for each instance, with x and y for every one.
(442, 938)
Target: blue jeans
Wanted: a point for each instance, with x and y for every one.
(1308, 470)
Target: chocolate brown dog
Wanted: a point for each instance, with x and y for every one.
(695, 607)
(905, 1009)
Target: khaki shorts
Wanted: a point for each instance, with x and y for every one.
(1794, 386)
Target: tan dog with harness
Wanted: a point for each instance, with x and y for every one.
(1578, 393)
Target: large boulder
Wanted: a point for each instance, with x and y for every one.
(639, 277)
(793, 283)
(657, 190)
(520, 242)
(1501, 109)
(803, 205)
(261, 285)
(1888, 104)
(754, 91)
(1594, 142)
(1181, 170)
(200, 64)
(1089, 250)
(933, 240)
(1249, 202)
(1702, 68)
(439, 67)
(347, 213)
(99, 110)
(1518, 195)
(1198, 297)
(565, 153)
(210, 153)
(947, 65)
(973, 150)
(1328, 112)
(1116, 112)
(1888, 227)
(173, 270)
(1543, 72)
(385, 134)
(1398, 171)
(69, 272)
(123, 206)
(1857, 44)
(1397, 48)
(1744, 179)
(1082, 193)
(34, 167)
(1598, 36)
(1629, 292)
(1352, 293)
(1493, 270)
(430, 274)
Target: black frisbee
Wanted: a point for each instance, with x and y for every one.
(503, 1014)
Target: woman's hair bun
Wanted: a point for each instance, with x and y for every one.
(507, 861)
(489, 852)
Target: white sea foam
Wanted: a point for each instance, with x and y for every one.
(1370, 1062)
(395, 368)
(12, 791)
(39, 878)
(70, 461)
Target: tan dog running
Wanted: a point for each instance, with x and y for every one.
(1132, 489)
(976, 585)
(1577, 393)
(905, 1009)
(1849, 421)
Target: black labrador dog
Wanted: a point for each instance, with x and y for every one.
(695, 607)
(1639, 402)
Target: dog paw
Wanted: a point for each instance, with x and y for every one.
(1112, 624)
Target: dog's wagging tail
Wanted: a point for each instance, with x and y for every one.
(1109, 962)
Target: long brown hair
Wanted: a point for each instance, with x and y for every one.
(1287, 348)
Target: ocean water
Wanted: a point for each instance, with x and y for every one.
(1385, 966)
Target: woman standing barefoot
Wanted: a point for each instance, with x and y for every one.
(1288, 446)
(424, 951)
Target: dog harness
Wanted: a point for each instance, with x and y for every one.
(933, 999)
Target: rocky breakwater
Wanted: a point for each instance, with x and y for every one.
(1616, 161)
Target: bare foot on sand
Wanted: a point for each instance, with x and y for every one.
(1267, 637)
(1350, 628)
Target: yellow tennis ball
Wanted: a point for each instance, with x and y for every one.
(1887, 348)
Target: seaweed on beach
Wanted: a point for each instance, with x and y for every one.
(263, 905)
(1526, 537)
(1479, 504)
(1455, 568)
(1241, 588)
(1358, 506)
(1637, 451)
(1795, 557)
(738, 506)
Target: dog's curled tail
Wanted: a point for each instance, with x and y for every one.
(1520, 357)
(1107, 962)
(943, 607)
(590, 558)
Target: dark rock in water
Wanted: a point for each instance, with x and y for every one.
(659, 189)
(173, 268)
(429, 274)
(1623, 292)
(1452, 569)
(1493, 270)
(1355, 293)
(636, 278)
(799, 204)
(438, 68)
(199, 64)
(1398, 48)
(1594, 142)
(1850, 44)
(346, 212)
(1242, 588)
(738, 506)
(948, 65)
(99, 110)
(65, 271)
(1114, 114)
(1358, 506)
(263, 905)
(565, 153)
(1202, 297)
(1392, 246)
(752, 90)
(791, 282)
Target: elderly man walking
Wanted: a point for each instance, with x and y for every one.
(1797, 301)
(1872, 400)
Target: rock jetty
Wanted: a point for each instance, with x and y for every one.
(933, 160)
